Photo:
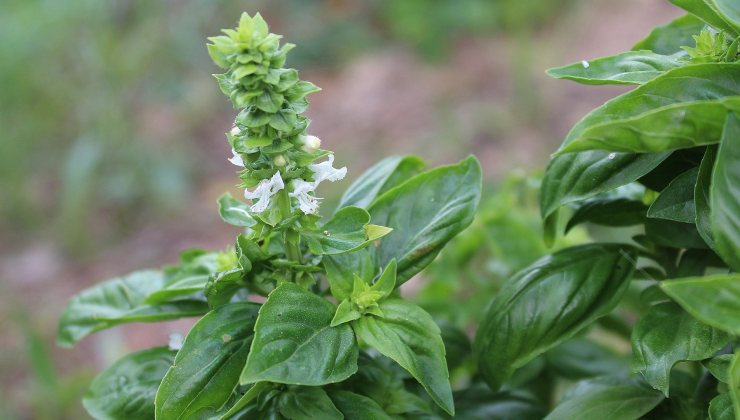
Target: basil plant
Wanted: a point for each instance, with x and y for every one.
(661, 162)
(301, 318)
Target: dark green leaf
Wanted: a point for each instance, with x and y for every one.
(714, 300)
(357, 407)
(725, 194)
(120, 300)
(294, 343)
(307, 403)
(457, 345)
(346, 231)
(720, 408)
(547, 303)
(705, 12)
(408, 335)
(221, 287)
(701, 197)
(426, 212)
(234, 212)
(676, 201)
(734, 383)
(126, 389)
(607, 399)
(207, 367)
(632, 67)
(719, 366)
(666, 335)
(674, 234)
(479, 403)
(678, 162)
(609, 212)
(580, 358)
(380, 178)
(669, 38)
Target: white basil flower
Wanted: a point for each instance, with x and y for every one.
(236, 159)
(325, 171)
(311, 144)
(308, 204)
(264, 190)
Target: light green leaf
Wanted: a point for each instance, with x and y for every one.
(426, 212)
(720, 408)
(408, 335)
(207, 367)
(704, 10)
(295, 344)
(121, 300)
(676, 201)
(734, 383)
(346, 312)
(666, 335)
(126, 389)
(725, 194)
(669, 38)
(607, 399)
(344, 232)
(357, 407)
(729, 10)
(234, 212)
(549, 302)
(632, 67)
(714, 300)
(341, 270)
(701, 197)
(307, 403)
(380, 178)
(719, 366)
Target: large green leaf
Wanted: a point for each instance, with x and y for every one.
(348, 230)
(704, 10)
(357, 407)
(609, 212)
(669, 38)
(547, 303)
(714, 300)
(676, 126)
(234, 212)
(676, 201)
(580, 358)
(701, 197)
(380, 178)
(720, 408)
(294, 344)
(207, 367)
(126, 389)
(408, 335)
(575, 176)
(666, 335)
(729, 10)
(121, 300)
(632, 67)
(607, 399)
(725, 194)
(425, 213)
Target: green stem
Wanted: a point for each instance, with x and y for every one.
(292, 237)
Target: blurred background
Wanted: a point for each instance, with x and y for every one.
(112, 151)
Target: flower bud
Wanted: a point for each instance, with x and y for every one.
(311, 144)
(279, 161)
(235, 131)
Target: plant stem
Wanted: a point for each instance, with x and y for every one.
(292, 237)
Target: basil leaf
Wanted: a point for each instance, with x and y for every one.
(676, 201)
(341, 269)
(478, 402)
(380, 178)
(222, 286)
(714, 300)
(627, 68)
(234, 212)
(674, 234)
(669, 38)
(666, 335)
(408, 335)
(357, 407)
(126, 389)
(348, 230)
(675, 126)
(725, 194)
(734, 383)
(707, 13)
(207, 367)
(719, 367)
(609, 212)
(729, 10)
(120, 300)
(607, 398)
(580, 358)
(720, 408)
(307, 403)
(426, 212)
(549, 302)
(457, 345)
(294, 344)
(185, 285)
(701, 197)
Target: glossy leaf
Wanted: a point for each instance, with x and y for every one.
(609, 212)
(120, 300)
(705, 12)
(426, 212)
(676, 201)
(294, 343)
(380, 178)
(675, 126)
(669, 38)
(632, 67)
(126, 389)
(207, 367)
(702, 199)
(234, 212)
(672, 234)
(547, 303)
(346, 231)
(357, 407)
(580, 358)
(408, 335)
(479, 403)
(725, 194)
(714, 300)
(607, 399)
(666, 335)
(307, 403)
